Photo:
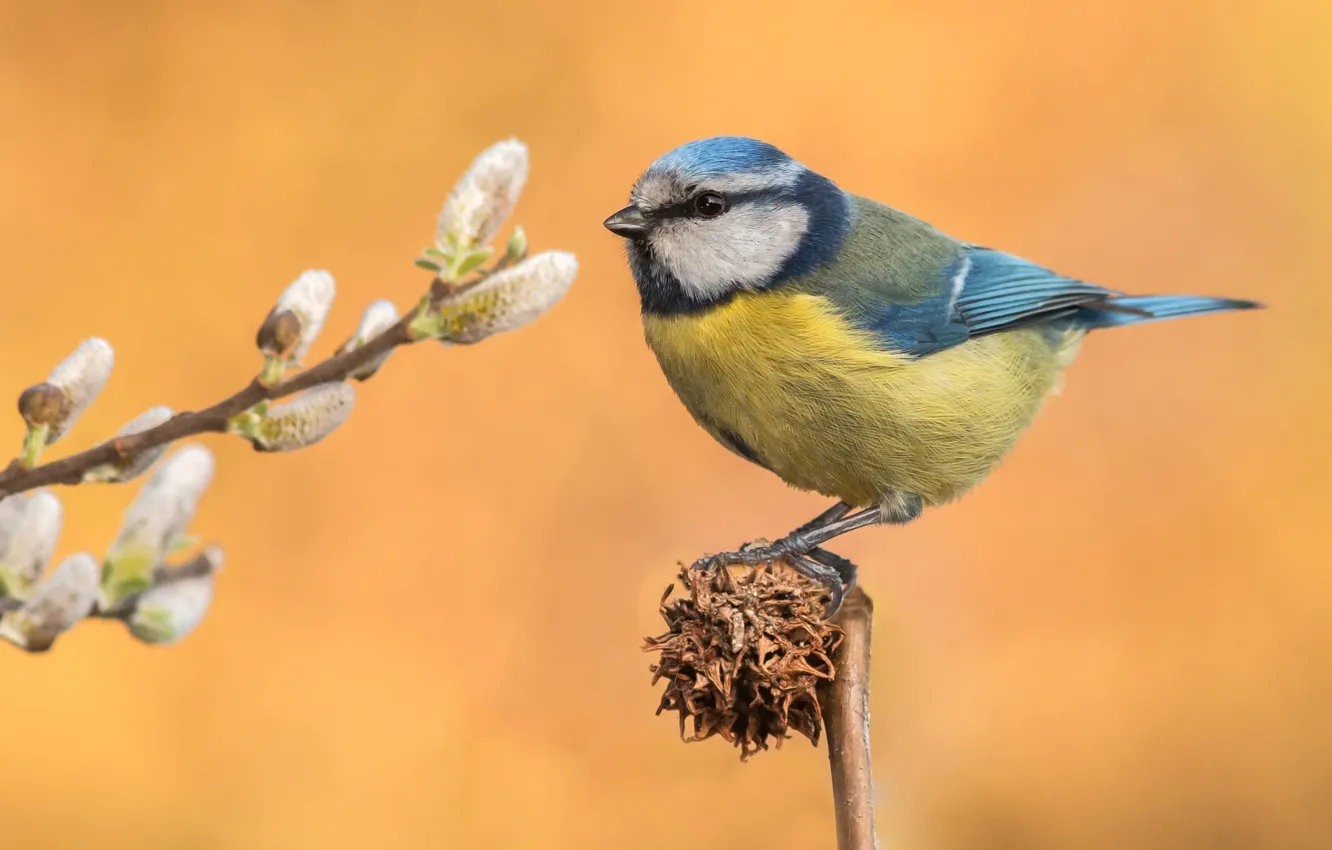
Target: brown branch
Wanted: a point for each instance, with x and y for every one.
(70, 470)
(846, 721)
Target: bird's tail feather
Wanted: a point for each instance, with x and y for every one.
(1136, 309)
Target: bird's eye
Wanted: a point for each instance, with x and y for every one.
(710, 205)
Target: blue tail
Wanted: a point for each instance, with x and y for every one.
(1135, 309)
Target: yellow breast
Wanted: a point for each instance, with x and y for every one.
(824, 405)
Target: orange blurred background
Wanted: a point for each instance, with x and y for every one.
(427, 633)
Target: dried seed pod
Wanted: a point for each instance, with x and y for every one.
(744, 654)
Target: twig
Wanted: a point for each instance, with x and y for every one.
(846, 721)
(197, 567)
(16, 478)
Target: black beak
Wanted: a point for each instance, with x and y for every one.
(628, 222)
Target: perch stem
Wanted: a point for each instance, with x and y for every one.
(846, 721)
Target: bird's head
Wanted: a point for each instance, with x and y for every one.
(718, 216)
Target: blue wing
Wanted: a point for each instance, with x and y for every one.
(920, 291)
(1000, 292)
(983, 291)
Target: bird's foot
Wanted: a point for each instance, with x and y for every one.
(831, 570)
(835, 573)
(753, 554)
(847, 571)
(828, 525)
(802, 549)
(825, 575)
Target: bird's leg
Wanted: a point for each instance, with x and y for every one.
(801, 548)
(836, 512)
(801, 541)
(833, 514)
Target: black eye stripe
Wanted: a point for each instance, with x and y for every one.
(685, 208)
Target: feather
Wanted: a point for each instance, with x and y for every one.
(922, 291)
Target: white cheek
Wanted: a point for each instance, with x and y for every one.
(742, 249)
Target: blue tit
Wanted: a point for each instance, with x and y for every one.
(848, 347)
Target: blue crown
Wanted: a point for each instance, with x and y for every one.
(723, 155)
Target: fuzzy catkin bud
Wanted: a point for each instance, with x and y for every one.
(508, 299)
(308, 299)
(306, 419)
(483, 198)
(137, 463)
(377, 318)
(29, 528)
(61, 601)
(170, 611)
(156, 521)
(72, 386)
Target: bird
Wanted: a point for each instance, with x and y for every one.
(846, 346)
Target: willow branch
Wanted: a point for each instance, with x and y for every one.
(70, 470)
(846, 721)
(16, 478)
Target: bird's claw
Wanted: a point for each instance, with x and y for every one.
(825, 575)
(803, 550)
(746, 557)
(835, 573)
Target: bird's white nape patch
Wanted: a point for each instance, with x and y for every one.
(743, 249)
(959, 281)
